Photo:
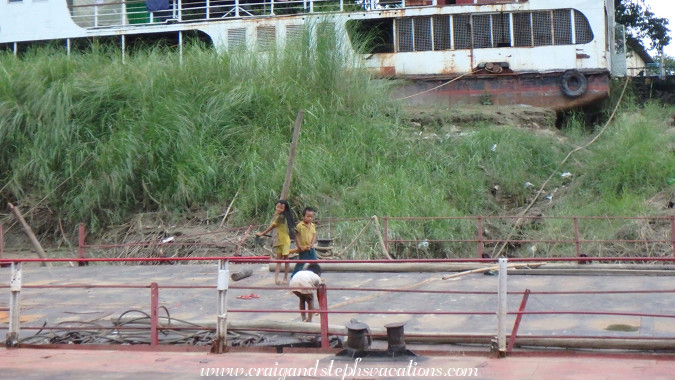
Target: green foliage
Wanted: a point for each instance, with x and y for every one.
(641, 23)
(633, 159)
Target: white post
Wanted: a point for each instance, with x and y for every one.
(14, 306)
(123, 41)
(501, 307)
(180, 47)
(221, 326)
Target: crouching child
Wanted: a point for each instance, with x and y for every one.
(303, 284)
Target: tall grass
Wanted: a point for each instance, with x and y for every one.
(95, 140)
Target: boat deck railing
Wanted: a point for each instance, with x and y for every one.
(89, 14)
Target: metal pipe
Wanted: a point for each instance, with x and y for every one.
(80, 244)
(2, 240)
(154, 320)
(519, 317)
(322, 296)
(221, 312)
(479, 239)
(577, 242)
(501, 307)
(12, 338)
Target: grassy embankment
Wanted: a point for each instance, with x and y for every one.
(89, 139)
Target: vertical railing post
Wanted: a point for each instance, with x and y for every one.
(479, 239)
(577, 243)
(322, 296)
(12, 338)
(80, 245)
(386, 233)
(501, 307)
(220, 344)
(154, 315)
(672, 232)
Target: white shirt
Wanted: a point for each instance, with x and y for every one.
(304, 281)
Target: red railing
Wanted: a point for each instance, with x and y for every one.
(396, 234)
(659, 342)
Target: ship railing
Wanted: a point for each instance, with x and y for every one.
(97, 13)
(483, 313)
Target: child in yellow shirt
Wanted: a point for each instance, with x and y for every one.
(305, 238)
(283, 218)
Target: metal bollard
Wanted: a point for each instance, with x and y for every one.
(357, 340)
(395, 338)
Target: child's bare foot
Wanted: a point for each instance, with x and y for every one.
(276, 281)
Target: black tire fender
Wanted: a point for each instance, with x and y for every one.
(573, 83)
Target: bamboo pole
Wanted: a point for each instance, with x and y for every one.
(495, 267)
(227, 212)
(29, 233)
(291, 155)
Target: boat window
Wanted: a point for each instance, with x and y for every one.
(461, 29)
(266, 38)
(422, 30)
(442, 33)
(583, 33)
(371, 36)
(562, 27)
(501, 30)
(405, 35)
(541, 26)
(236, 38)
(522, 29)
(482, 32)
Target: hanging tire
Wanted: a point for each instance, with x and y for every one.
(573, 83)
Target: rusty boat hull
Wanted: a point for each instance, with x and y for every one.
(534, 89)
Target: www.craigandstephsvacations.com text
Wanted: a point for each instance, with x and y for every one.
(340, 370)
